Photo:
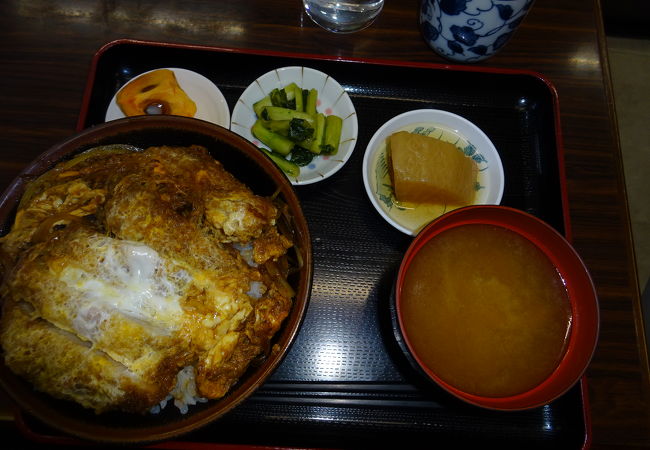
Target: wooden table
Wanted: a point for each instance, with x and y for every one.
(46, 49)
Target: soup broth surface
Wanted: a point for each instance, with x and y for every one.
(485, 310)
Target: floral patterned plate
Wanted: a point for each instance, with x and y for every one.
(449, 127)
(332, 99)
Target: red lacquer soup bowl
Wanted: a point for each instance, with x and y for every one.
(496, 307)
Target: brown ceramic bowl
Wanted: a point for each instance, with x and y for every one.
(250, 166)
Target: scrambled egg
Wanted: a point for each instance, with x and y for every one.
(125, 268)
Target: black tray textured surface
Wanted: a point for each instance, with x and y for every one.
(345, 381)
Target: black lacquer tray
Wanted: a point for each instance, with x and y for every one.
(345, 382)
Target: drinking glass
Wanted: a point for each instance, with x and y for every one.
(343, 16)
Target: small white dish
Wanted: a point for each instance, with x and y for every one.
(211, 105)
(443, 125)
(332, 99)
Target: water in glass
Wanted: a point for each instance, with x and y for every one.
(343, 16)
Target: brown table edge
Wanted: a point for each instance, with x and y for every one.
(642, 346)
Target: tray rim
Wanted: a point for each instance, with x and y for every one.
(97, 57)
(22, 424)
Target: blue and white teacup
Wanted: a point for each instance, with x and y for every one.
(470, 30)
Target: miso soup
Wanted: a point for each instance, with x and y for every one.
(485, 310)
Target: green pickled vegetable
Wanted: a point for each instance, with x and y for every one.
(332, 138)
(318, 134)
(301, 156)
(277, 126)
(283, 98)
(312, 101)
(279, 113)
(288, 167)
(274, 141)
(291, 126)
(295, 93)
(259, 106)
(300, 130)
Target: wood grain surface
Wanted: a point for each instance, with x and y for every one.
(46, 48)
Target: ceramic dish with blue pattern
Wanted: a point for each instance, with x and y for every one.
(443, 125)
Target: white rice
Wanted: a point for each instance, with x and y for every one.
(256, 289)
(246, 251)
(184, 393)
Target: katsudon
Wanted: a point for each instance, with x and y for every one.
(136, 277)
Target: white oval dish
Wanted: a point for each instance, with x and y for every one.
(443, 125)
(332, 99)
(211, 105)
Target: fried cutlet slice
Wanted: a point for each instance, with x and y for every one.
(59, 363)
